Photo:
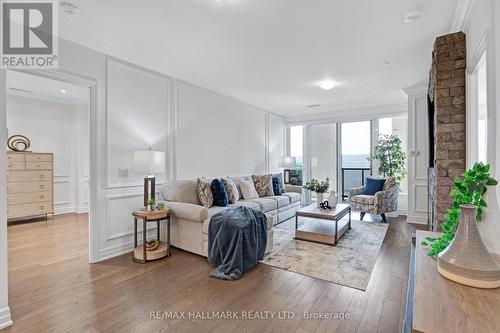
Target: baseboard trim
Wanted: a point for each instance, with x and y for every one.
(5, 318)
(115, 251)
(416, 220)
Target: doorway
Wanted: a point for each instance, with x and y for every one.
(53, 111)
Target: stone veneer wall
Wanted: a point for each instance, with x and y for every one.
(447, 92)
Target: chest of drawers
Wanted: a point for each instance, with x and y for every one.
(30, 184)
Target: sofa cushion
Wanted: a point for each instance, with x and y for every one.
(247, 189)
(373, 185)
(294, 197)
(263, 185)
(232, 190)
(363, 199)
(219, 193)
(247, 204)
(205, 192)
(182, 191)
(282, 200)
(276, 186)
(265, 204)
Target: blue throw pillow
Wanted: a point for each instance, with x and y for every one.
(373, 186)
(276, 186)
(219, 192)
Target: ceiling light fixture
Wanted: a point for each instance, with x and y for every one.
(69, 8)
(313, 106)
(386, 63)
(412, 16)
(327, 84)
(64, 91)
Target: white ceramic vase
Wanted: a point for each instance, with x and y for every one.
(466, 260)
(333, 198)
(319, 199)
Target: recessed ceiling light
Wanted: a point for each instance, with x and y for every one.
(69, 8)
(412, 16)
(64, 91)
(327, 84)
(386, 63)
(313, 106)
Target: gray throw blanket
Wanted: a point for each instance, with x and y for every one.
(237, 240)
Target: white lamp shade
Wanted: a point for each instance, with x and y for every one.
(149, 161)
(287, 162)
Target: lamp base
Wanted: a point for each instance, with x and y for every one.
(149, 189)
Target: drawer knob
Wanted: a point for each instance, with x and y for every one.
(42, 186)
(42, 207)
(42, 196)
(39, 165)
(42, 176)
(9, 165)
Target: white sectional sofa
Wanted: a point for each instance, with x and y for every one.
(189, 219)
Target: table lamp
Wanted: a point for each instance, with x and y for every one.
(287, 163)
(149, 162)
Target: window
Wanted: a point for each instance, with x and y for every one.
(297, 144)
(482, 111)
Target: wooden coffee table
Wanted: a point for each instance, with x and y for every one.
(322, 226)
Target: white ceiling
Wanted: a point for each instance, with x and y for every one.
(36, 87)
(272, 53)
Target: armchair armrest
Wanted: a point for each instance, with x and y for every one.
(187, 211)
(293, 188)
(355, 191)
(387, 201)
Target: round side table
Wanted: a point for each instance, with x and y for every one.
(140, 254)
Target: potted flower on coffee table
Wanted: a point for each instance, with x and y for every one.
(320, 187)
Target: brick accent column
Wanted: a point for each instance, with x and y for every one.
(447, 91)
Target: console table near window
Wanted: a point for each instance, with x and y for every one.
(436, 304)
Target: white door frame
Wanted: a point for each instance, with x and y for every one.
(91, 84)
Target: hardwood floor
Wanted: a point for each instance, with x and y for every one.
(53, 288)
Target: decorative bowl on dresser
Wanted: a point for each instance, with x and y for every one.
(30, 184)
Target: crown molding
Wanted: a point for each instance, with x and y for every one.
(463, 14)
(45, 101)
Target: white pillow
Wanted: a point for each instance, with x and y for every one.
(248, 190)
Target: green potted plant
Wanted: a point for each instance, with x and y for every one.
(151, 204)
(320, 187)
(391, 157)
(468, 190)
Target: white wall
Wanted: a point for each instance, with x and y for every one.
(276, 141)
(55, 128)
(481, 35)
(5, 319)
(217, 135)
(195, 127)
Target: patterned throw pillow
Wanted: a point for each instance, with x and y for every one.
(205, 192)
(219, 193)
(282, 183)
(276, 186)
(263, 185)
(248, 190)
(232, 190)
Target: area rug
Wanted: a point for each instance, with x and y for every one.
(350, 263)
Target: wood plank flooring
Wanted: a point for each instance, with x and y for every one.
(53, 288)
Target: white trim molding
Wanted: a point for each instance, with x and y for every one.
(463, 15)
(5, 318)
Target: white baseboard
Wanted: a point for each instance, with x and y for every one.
(82, 210)
(64, 210)
(416, 219)
(115, 250)
(5, 318)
